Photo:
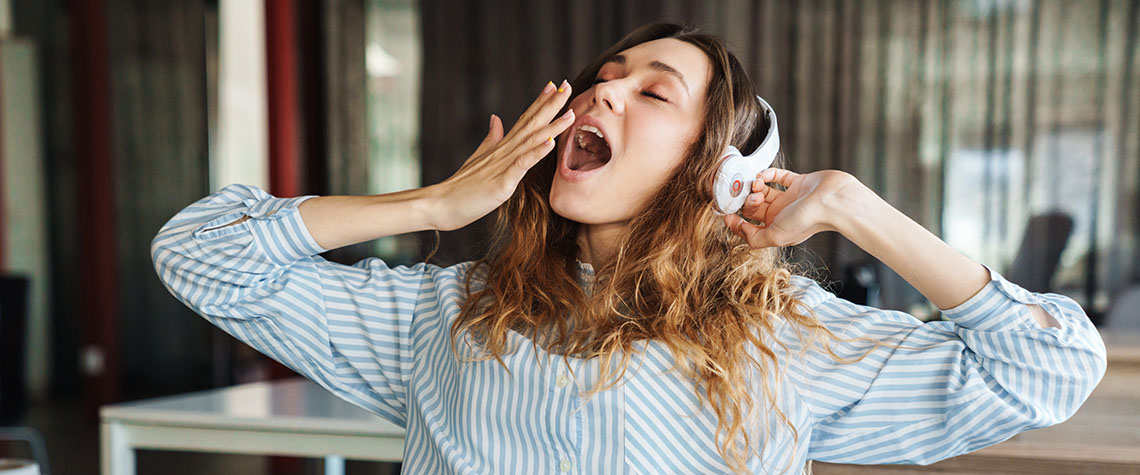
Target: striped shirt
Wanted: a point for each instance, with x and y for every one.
(378, 337)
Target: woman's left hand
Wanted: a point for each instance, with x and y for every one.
(808, 205)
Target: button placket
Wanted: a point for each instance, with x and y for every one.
(564, 411)
(562, 380)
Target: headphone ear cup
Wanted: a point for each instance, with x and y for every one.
(733, 182)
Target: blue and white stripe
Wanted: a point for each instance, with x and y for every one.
(378, 337)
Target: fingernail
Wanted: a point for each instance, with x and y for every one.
(549, 87)
(568, 114)
(492, 123)
(550, 139)
(564, 85)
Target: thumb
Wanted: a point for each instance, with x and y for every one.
(758, 237)
(494, 135)
(495, 132)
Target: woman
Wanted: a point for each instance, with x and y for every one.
(620, 324)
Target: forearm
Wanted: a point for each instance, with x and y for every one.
(338, 221)
(945, 276)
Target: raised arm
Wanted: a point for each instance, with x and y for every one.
(248, 263)
(943, 388)
(485, 181)
(831, 200)
(1004, 360)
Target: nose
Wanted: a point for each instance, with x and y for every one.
(609, 95)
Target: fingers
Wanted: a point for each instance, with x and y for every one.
(546, 134)
(756, 236)
(528, 159)
(542, 110)
(756, 205)
(775, 175)
(556, 128)
(756, 210)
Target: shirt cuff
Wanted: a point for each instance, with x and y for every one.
(1000, 306)
(279, 231)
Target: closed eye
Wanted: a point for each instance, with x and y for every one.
(644, 93)
(655, 96)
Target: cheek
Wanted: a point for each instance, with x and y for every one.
(653, 159)
(639, 186)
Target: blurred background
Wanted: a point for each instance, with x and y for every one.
(1007, 127)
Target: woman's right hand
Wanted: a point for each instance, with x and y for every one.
(490, 175)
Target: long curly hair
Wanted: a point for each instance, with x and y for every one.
(678, 276)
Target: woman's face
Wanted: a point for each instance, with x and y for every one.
(649, 106)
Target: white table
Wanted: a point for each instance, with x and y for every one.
(292, 417)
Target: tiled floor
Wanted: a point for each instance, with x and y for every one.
(73, 449)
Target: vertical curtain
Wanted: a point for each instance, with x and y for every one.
(46, 23)
(160, 147)
(343, 66)
(331, 43)
(970, 117)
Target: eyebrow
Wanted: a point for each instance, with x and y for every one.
(658, 66)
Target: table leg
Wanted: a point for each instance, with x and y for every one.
(334, 465)
(117, 456)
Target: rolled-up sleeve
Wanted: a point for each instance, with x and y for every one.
(348, 328)
(984, 373)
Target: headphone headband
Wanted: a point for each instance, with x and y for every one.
(737, 172)
(765, 154)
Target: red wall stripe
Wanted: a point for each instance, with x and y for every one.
(94, 165)
(281, 74)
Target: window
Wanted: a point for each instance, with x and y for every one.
(392, 58)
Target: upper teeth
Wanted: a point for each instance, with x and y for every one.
(588, 128)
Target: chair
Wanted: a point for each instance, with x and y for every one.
(34, 439)
(1125, 311)
(1045, 238)
(13, 403)
(13, 321)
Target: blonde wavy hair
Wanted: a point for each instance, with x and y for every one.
(679, 276)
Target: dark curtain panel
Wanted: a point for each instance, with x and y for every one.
(333, 81)
(47, 23)
(971, 117)
(158, 94)
(347, 146)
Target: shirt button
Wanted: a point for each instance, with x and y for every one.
(563, 381)
(564, 466)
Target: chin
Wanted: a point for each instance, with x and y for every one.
(586, 206)
(572, 208)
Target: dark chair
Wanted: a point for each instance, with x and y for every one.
(13, 324)
(861, 284)
(1125, 312)
(1045, 238)
(33, 438)
(13, 398)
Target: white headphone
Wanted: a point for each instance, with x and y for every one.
(737, 172)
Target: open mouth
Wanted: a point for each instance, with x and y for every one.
(591, 149)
